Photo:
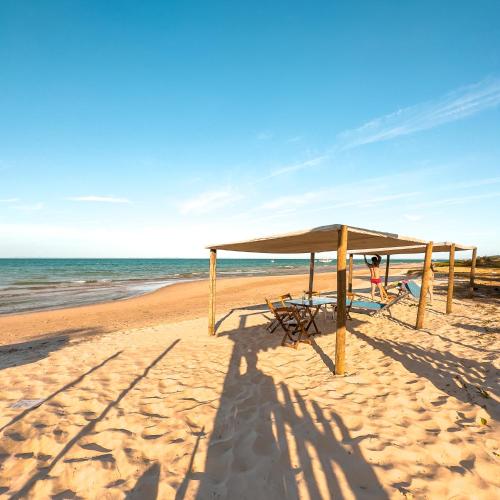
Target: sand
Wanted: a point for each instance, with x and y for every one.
(139, 402)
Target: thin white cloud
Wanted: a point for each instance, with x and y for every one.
(455, 105)
(298, 166)
(412, 217)
(314, 201)
(285, 213)
(458, 200)
(287, 202)
(98, 199)
(31, 207)
(474, 183)
(9, 200)
(370, 202)
(209, 201)
(360, 190)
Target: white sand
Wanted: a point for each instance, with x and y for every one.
(167, 412)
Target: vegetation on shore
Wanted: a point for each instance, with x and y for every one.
(485, 261)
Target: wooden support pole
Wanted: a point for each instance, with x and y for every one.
(425, 285)
(311, 275)
(211, 287)
(349, 285)
(472, 272)
(341, 302)
(451, 280)
(387, 270)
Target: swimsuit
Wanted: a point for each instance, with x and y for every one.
(375, 281)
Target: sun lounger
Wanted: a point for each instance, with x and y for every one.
(376, 308)
(412, 288)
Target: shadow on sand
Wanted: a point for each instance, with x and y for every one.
(458, 377)
(65, 387)
(44, 472)
(146, 487)
(31, 351)
(257, 422)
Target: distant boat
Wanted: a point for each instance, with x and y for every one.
(326, 261)
(272, 260)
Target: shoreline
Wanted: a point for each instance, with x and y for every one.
(167, 282)
(169, 304)
(97, 302)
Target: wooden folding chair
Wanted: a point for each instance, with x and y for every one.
(287, 296)
(284, 298)
(292, 323)
(274, 323)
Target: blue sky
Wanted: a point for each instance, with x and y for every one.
(155, 128)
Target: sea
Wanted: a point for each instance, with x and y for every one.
(42, 284)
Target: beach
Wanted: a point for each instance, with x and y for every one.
(248, 251)
(135, 400)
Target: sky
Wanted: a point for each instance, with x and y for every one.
(153, 129)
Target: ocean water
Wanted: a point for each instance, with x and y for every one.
(38, 284)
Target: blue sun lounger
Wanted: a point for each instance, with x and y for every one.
(376, 308)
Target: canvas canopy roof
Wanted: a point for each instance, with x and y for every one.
(321, 239)
(343, 239)
(437, 247)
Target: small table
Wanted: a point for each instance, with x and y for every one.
(312, 306)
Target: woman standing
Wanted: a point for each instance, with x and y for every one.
(375, 280)
(430, 289)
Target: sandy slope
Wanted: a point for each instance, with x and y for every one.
(165, 411)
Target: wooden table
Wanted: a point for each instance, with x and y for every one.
(312, 306)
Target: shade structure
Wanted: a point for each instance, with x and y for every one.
(443, 246)
(344, 240)
(320, 239)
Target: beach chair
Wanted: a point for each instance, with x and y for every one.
(292, 322)
(377, 308)
(273, 306)
(274, 323)
(283, 299)
(413, 289)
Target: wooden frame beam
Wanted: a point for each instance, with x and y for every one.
(472, 272)
(349, 285)
(211, 287)
(341, 302)
(451, 280)
(311, 274)
(425, 286)
(388, 257)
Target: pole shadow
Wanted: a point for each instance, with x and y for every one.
(62, 389)
(147, 485)
(249, 450)
(88, 428)
(460, 378)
